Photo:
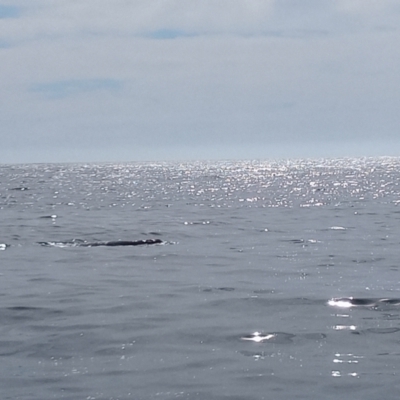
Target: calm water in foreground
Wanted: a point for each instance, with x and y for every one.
(274, 280)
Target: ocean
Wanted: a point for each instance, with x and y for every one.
(258, 280)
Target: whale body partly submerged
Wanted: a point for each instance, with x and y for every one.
(123, 243)
(347, 302)
(81, 243)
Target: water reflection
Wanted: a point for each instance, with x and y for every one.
(366, 317)
(346, 359)
(337, 374)
(344, 327)
(259, 337)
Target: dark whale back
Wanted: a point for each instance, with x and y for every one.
(124, 243)
(114, 243)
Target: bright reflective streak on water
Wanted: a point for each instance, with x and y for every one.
(259, 337)
(338, 374)
(344, 327)
(340, 303)
(346, 359)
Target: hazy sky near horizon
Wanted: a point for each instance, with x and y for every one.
(127, 80)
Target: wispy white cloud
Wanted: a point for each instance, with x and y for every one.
(49, 19)
(171, 19)
(364, 7)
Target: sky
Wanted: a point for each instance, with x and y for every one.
(152, 80)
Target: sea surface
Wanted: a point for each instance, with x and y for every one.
(269, 280)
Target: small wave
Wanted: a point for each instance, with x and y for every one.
(82, 243)
(383, 331)
(224, 289)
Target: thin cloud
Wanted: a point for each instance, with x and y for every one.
(365, 7)
(169, 34)
(49, 19)
(161, 19)
(62, 89)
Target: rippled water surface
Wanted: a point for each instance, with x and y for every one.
(262, 280)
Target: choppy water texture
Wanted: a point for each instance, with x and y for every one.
(268, 280)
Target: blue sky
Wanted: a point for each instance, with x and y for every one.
(8, 11)
(101, 80)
